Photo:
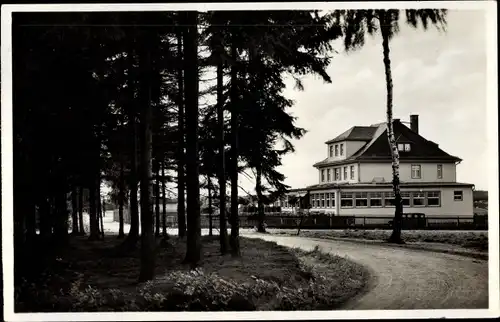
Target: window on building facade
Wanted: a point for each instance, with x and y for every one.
(380, 199)
(440, 171)
(418, 199)
(352, 172)
(336, 150)
(345, 173)
(331, 151)
(375, 199)
(361, 199)
(328, 175)
(342, 149)
(337, 174)
(312, 200)
(433, 198)
(458, 195)
(404, 147)
(416, 171)
(346, 199)
(406, 196)
(389, 200)
(322, 175)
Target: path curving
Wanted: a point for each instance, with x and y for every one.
(406, 278)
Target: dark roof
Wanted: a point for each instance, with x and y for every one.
(377, 149)
(420, 147)
(356, 133)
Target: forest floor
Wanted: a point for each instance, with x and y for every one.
(92, 276)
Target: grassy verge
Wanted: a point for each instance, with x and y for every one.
(91, 276)
(477, 240)
(335, 280)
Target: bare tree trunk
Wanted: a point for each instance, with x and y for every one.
(121, 200)
(181, 210)
(302, 216)
(209, 186)
(164, 200)
(44, 213)
(222, 162)
(29, 204)
(234, 238)
(30, 218)
(74, 211)
(147, 236)
(260, 204)
(398, 215)
(61, 216)
(93, 210)
(80, 212)
(193, 252)
(157, 200)
(103, 211)
(133, 235)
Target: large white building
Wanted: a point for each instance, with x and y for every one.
(355, 178)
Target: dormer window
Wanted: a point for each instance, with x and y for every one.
(331, 151)
(342, 149)
(336, 150)
(404, 147)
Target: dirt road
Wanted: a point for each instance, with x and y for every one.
(404, 278)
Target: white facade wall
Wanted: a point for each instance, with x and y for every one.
(448, 206)
(369, 171)
(354, 179)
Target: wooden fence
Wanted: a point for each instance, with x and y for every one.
(345, 222)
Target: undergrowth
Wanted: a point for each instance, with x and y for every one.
(271, 277)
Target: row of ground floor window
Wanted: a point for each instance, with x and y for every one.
(377, 199)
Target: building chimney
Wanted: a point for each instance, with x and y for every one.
(414, 123)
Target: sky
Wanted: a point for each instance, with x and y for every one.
(441, 76)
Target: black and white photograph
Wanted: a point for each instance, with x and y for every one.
(215, 161)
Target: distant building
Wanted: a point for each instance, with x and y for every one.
(355, 178)
(171, 209)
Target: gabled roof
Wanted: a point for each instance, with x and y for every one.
(420, 147)
(355, 133)
(377, 147)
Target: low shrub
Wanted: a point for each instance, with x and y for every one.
(266, 277)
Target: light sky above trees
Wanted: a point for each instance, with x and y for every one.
(439, 76)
